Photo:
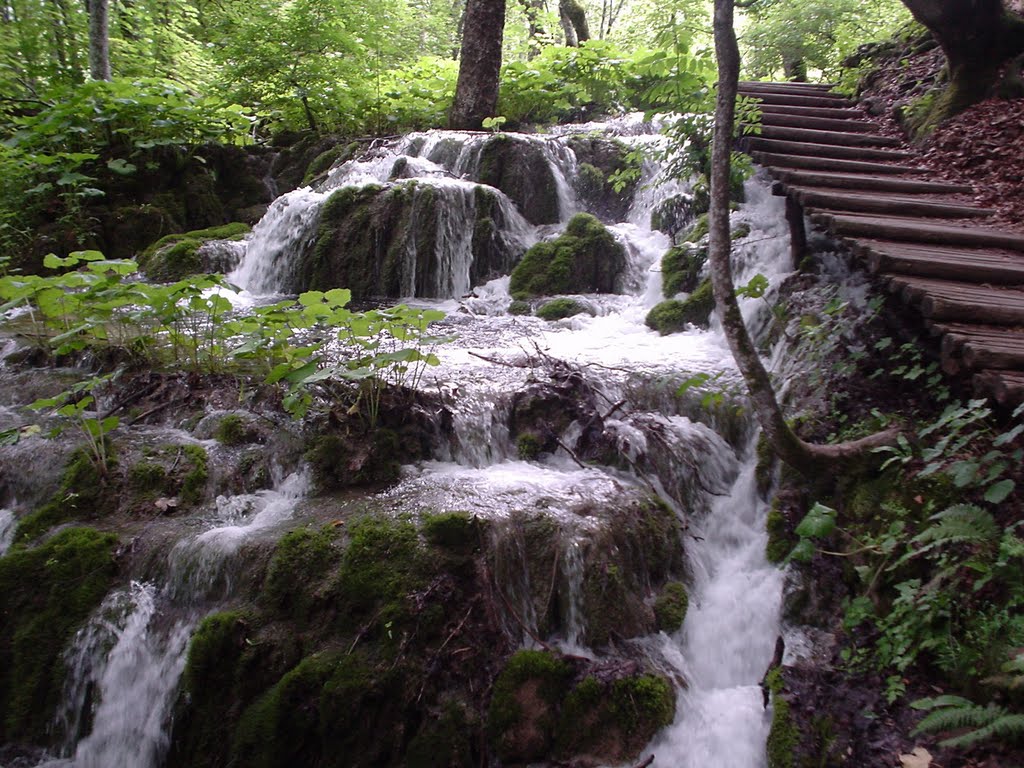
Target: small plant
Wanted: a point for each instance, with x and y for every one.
(74, 404)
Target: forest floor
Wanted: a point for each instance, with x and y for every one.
(981, 146)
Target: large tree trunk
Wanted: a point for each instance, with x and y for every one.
(476, 92)
(574, 22)
(804, 457)
(978, 37)
(99, 39)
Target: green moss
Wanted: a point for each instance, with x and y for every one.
(297, 570)
(670, 606)
(520, 307)
(699, 230)
(444, 741)
(780, 539)
(232, 429)
(557, 309)
(586, 258)
(193, 484)
(614, 721)
(740, 231)
(783, 737)
(147, 476)
(529, 446)
(323, 162)
(673, 315)
(764, 472)
(680, 269)
(175, 256)
(84, 494)
(452, 530)
(342, 462)
(45, 595)
(524, 705)
(590, 181)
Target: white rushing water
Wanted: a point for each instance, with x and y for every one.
(8, 524)
(726, 643)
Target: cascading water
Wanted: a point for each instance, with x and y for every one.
(723, 648)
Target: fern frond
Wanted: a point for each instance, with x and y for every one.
(957, 717)
(1006, 727)
(960, 523)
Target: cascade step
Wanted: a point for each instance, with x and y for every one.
(828, 112)
(999, 267)
(797, 100)
(812, 163)
(836, 151)
(914, 230)
(844, 200)
(840, 138)
(816, 123)
(860, 181)
(1005, 387)
(948, 300)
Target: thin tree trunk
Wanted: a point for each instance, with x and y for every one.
(574, 22)
(533, 9)
(802, 456)
(476, 92)
(99, 40)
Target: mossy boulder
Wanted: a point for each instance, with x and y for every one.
(390, 241)
(177, 256)
(297, 580)
(520, 307)
(681, 268)
(783, 738)
(558, 309)
(607, 175)
(586, 258)
(46, 593)
(323, 162)
(525, 705)
(674, 315)
(519, 167)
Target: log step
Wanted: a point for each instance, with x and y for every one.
(868, 182)
(816, 123)
(784, 85)
(799, 100)
(1005, 387)
(982, 346)
(834, 151)
(946, 300)
(827, 112)
(783, 89)
(812, 163)
(894, 205)
(914, 230)
(998, 267)
(840, 138)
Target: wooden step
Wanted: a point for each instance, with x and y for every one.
(999, 267)
(944, 300)
(774, 161)
(978, 347)
(840, 138)
(817, 123)
(795, 89)
(784, 84)
(827, 112)
(1005, 387)
(776, 146)
(797, 100)
(868, 182)
(893, 205)
(914, 230)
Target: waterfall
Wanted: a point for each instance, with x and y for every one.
(7, 527)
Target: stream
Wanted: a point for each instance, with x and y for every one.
(125, 665)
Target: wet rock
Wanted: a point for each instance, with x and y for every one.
(519, 167)
(586, 258)
(675, 315)
(177, 256)
(605, 164)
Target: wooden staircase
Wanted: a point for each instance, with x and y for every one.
(927, 241)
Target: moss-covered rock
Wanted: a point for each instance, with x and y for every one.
(586, 258)
(607, 175)
(610, 722)
(297, 577)
(388, 241)
(673, 315)
(520, 307)
(519, 167)
(681, 267)
(558, 309)
(452, 530)
(781, 539)
(360, 460)
(783, 737)
(177, 256)
(525, 705)
(235, 429)
(45, 595)
(670, 606)
(327, 159)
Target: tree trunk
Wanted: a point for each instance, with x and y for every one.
(99, 39)
(476, 92)
(574, 22)
(805, 458)
(533, 9)
(977, 36)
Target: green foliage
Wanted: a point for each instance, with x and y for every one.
(585, 258)
(974, 722)
(45, 594)
(83, 493)
(557, 309)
